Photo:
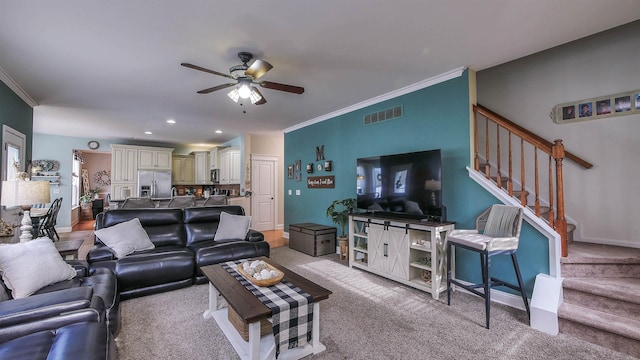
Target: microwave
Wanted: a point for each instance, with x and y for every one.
(215, 176)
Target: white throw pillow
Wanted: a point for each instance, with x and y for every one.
(232, 227)
(28, 267)
(125, 238)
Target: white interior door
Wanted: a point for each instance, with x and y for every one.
(263, 198)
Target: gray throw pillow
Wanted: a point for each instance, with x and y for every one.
(125, 238)
(232, 227)
(28, 267)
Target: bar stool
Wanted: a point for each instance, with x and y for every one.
(497, 233)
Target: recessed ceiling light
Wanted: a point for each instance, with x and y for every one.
(218, 131)
(171, 121)
(148, 132)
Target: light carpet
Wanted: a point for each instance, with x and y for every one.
(367, 317)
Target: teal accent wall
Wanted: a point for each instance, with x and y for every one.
(436, 117)
(16, 113)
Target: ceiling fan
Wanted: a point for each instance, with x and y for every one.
(246, 76)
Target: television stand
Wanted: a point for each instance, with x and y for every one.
(409, 251)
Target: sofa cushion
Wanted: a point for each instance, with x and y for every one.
(29, 266)
(125, 238)
(232, 227)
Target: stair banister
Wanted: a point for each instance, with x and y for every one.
(554, 150)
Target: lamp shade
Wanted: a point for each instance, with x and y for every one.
(24, 192)
(432, 185)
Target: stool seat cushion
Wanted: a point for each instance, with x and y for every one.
(475, 240)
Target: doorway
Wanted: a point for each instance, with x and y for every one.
(264, 193)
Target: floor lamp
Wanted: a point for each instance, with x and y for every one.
(24, 193)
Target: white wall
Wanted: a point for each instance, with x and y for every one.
(602, 200)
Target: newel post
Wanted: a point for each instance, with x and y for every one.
(561, 223)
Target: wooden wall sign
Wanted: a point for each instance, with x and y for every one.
(321, 182)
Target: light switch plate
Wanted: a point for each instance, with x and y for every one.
(297, 191)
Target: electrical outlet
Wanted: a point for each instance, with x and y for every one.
(297, 191)
(289, 191)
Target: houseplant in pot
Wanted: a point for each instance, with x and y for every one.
(339, 211)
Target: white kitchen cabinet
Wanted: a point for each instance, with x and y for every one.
(213, 158)
(183, 170)
(154, 158)
(230, 165)
(124, 164)
(203, 171)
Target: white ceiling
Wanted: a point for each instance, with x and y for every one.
(111, 69)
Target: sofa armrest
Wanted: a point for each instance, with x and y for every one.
(8, 333)
(100, 253)
(41, 306)
(81, 267)
(254, 236)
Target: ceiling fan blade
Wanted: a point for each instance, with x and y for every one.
(215, 88)
(258, 68)
(196, 67)
(262, 99)
(282, 87)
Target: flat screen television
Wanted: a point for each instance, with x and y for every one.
(405, 185)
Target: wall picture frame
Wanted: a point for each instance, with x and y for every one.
(290, 171)
(620, 104)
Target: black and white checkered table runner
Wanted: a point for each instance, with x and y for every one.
(292, 308)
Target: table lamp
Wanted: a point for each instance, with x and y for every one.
(24, 193)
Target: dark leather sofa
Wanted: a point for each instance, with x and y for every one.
(183, 240)
(73, 319)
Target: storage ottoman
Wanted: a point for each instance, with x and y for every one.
(312, 239)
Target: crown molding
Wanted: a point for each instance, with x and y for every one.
(5, 78)
(390, 95)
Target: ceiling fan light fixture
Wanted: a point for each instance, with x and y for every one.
(255, 95)
(244, 91)
(234, 95)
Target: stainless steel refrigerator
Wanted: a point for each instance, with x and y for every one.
(154, 184)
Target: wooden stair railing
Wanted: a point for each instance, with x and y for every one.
(555, 152)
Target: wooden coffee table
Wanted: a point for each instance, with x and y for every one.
(252, 311)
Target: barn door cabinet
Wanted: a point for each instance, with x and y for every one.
(408, 251)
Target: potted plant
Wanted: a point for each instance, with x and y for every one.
(89, 195)
(339, 211)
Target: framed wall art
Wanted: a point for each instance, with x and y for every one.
(627, 103)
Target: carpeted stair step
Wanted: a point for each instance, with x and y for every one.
(587, 260)
(611, 331)
(619, 296)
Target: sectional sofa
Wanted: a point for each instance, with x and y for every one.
(79, 317)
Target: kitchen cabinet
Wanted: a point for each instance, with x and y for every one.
(183, 170)
(124, 164)
(203, 171)
(213, 158)
(154, 158)
(230, 165)
(124, 171)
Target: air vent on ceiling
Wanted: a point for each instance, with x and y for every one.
(383, 115)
